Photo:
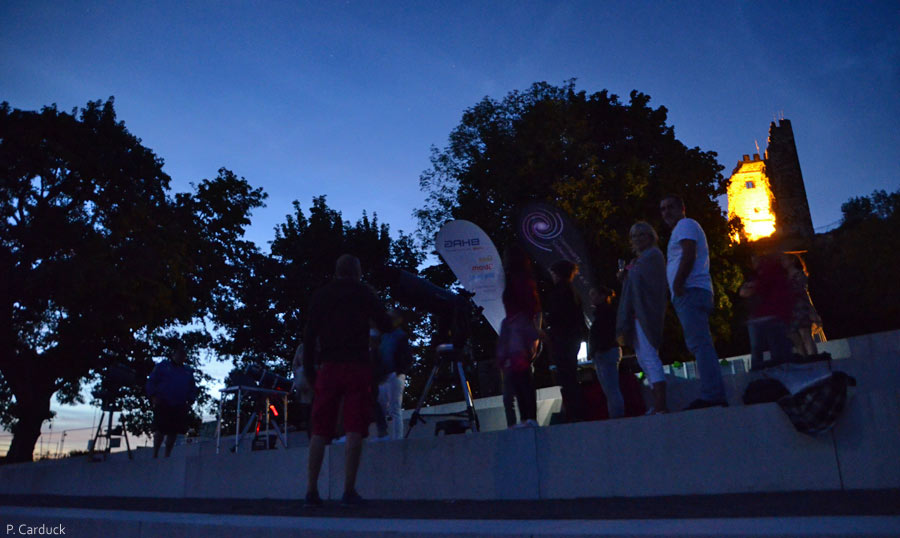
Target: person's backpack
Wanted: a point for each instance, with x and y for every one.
(816, 409)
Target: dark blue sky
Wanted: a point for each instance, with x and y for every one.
(345, 98)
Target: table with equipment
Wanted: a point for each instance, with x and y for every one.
(243, 390)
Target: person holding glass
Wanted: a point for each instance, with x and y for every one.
(642, 308)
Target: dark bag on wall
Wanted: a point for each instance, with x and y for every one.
(816, 409)
(764, 391)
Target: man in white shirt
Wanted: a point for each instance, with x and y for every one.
(687, 270)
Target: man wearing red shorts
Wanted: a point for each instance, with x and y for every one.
(337, 340)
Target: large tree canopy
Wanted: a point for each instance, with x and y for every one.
(96, 257)
(843, 263)
(265, 320)
(605, 162)
(269, 310)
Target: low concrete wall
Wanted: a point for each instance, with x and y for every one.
(268, 474)
(873, 359)
(717, 450)
(867, 441)
(495, 465)
(147, 478)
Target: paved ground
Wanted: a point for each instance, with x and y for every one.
(91, 523)
(745, 505)
(838, 514)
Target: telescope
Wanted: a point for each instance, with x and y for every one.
(266, 379)
(114, 378)
(453, 310)
(454, 313)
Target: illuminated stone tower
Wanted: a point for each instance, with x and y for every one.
(750, 198)
(769, 195)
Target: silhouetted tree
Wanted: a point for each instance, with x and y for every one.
(853, 269)
(97, 260)
(605, 162)
(264, 322)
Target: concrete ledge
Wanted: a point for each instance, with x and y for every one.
(495, 465)
(121, 478)
(867, 441)
(269, 474)
(716, 450)
(719, 450)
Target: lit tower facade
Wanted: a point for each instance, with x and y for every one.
(769, 195)
(750, 198)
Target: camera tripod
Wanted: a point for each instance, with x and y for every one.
(447, 354)
(107, 410)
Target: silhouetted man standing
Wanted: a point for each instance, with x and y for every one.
(687, 270)
(337, 341)
(172, 391)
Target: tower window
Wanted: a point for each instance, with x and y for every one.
(749, 184)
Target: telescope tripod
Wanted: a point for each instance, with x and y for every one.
(446, 354)
(107, 411)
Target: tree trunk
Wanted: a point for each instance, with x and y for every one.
(33, 392)
(25, 435)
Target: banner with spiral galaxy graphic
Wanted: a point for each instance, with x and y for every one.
(549, 235)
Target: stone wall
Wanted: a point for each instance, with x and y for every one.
(718, 450)
(793, 222)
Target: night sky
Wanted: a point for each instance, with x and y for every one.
(346, 98)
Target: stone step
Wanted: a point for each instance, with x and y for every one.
(132, 524)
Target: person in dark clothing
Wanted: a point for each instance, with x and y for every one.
(604, 350)
(804, 316)
(172, 391)
(337, 341)
(378, 375)
(395, 358)
(770, 299)
(518, 340)
(642, 309)
(565, 320)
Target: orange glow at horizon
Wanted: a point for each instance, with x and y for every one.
(750, 199)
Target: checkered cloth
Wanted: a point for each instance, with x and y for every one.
(815, 409)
